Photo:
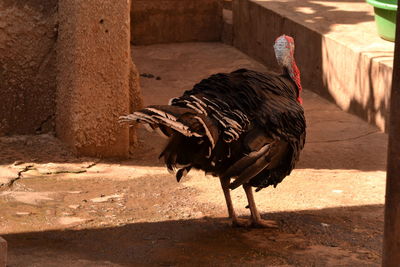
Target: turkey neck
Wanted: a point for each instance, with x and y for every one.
(293, 73)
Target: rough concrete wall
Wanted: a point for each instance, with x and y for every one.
(136, 99)
(27, 65)
(94, 71)
(165, 21)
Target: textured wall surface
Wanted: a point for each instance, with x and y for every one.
(27, 66)
(165, 21)
(94, 71)
(135, 99)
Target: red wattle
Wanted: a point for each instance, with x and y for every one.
(296, 79)
(300, 100)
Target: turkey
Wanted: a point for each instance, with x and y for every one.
(245, 127)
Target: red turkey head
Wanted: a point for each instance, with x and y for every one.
(284, 52)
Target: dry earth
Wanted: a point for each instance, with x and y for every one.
(58, 210)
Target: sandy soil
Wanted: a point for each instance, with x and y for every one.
(58, 210)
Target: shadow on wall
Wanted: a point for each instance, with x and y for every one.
(210, 241)
(375, 108)
(355, 81)
(360, 83)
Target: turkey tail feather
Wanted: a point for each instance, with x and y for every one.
(182, 173)
(183, 120)
(250, 172)
(240, 165)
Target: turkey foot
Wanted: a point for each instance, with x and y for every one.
(261, 223)
(238, 222)
(256, 220)
(249, 223)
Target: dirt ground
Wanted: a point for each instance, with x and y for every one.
(58, 210)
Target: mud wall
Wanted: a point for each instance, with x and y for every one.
(27, 66)
(95, 72)
(28, 35)
(166, 21)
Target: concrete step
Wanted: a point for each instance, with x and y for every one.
(338, 50)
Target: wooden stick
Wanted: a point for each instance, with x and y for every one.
(391, 241)
(3, 252)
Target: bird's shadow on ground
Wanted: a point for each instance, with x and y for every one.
(205, 241)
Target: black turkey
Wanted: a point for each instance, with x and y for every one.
(245, 127)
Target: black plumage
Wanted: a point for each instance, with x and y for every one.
(245, 125)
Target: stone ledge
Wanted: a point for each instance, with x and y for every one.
(338, 50)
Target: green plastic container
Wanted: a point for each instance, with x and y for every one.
(385, 17)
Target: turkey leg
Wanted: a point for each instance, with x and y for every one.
(231, 211)
(256, 220)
